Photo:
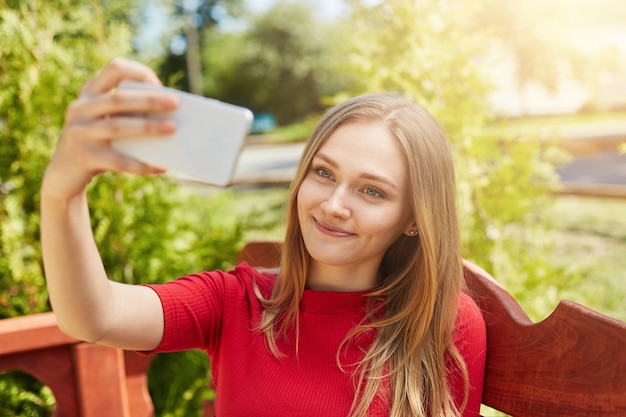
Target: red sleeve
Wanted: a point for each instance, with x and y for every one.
(470, 339)
(194, 306)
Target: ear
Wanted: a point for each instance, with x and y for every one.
(411, 230)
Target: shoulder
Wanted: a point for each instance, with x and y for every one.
(251, 277)
(196, 306)
(241, 279)
(468, 309)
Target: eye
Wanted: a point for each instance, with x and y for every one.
(372, 192)
(323, 172)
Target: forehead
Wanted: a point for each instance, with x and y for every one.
(367, 147)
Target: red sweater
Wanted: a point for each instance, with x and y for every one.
(217, 312)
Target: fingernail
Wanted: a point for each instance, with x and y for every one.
(169, 102)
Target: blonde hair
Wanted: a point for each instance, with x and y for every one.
(421, 278)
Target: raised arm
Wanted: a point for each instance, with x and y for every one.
(87, 304)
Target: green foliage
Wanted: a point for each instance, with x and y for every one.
(280, 65)
(151, 230)
(184, 70)
(24, 396)
(148, 229)
(590, 237)
(188, 377)
(47, 51)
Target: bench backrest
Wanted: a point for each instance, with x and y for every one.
(572, 364)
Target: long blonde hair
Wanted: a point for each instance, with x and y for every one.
(421, 277)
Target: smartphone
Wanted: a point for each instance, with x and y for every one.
(207, 141)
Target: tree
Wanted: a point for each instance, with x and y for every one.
(183, 68)
(279, 65)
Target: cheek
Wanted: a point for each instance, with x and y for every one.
(304, 197)
(301, 196)
(390, 224)
(387, 231)
(309, 194)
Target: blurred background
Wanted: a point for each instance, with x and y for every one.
(532, 94)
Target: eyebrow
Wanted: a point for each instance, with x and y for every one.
(365, 175)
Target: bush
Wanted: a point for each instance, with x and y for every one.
(148, 229)
(24, 396)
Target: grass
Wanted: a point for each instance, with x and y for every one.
(590, 235)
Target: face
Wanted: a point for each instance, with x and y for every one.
(354, 202)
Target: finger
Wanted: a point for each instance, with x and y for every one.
(121, 102)
(99, 160)
(122, 163)
(119, 69)
(104, 130)
(72, 168)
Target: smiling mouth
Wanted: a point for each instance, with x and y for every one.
(330, 230)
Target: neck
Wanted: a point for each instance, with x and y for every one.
(340, 278)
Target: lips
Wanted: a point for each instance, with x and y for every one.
(331, 230)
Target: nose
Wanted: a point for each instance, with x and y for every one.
(336, 203)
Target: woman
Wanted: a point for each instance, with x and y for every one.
(366, 315)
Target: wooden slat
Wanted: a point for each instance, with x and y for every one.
(139, 400)
(100, 374)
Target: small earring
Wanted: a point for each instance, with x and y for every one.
(412, 232)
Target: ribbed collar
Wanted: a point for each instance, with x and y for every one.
(329, 302)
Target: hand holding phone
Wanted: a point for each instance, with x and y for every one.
(207, 141)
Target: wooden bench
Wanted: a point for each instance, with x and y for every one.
(571, 364)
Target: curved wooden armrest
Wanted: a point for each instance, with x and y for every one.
(572, 364)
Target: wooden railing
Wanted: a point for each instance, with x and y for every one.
(87, 380)
(571, 364)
